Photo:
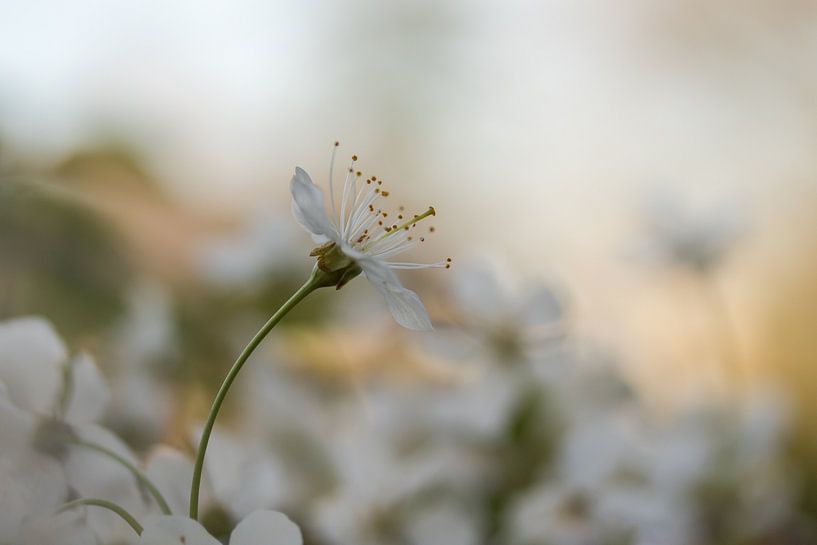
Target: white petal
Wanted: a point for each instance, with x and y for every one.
(404, 305)
(92, 474)
(308, 208)
(430, 524)
(542, 306)
(32, 483)
(164, 530)
(89, 394)
(171, 472)
(68, 528)
(266, 528)
(479, 290)
(31, 360)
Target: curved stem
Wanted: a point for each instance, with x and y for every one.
(315, 281)
(140, 477)
(109, 505)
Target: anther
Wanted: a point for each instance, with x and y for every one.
(354, 157)
(337, 143)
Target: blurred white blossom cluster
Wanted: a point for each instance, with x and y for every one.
(514, 431)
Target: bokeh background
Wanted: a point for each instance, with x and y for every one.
(146, 150)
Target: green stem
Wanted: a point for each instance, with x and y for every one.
(109, 505)
(315, 281)
(140, 477)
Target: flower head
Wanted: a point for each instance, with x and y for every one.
(359, 235)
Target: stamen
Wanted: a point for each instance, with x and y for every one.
(400, 265)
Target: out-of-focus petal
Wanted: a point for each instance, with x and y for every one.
(171, 472)
(542, 306)
(479, 291)
(89, 393)
(166, 530)
(68, 528)
(266, 528)
(31, 360)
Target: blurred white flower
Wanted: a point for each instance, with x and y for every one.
(258, 528)
(143, 342)
(48, 405)
(513, 324)
(375, 484)
(435, 521)
(695, 240)
(358, 235)
(243, 475)
(263, 245)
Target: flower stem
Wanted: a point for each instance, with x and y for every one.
(727, 336)
(111, 506)
(140, 477)
(315, 281)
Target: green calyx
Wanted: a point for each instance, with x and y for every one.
(334, 268)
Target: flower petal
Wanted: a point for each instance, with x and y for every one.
(162, 530)
(68, 528)
(171, 472)
(266, 528)
(404, 305)
(308, 208)
(31, 360)
(89, 394)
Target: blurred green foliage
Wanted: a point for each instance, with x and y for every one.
(58, 259)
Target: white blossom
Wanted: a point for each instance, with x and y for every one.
(363, 236)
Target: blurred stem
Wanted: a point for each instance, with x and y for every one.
(140, 477)
(109, 505)
(315, 281)
(727, 336)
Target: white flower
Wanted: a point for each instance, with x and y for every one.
(241, 478)
(498, 320)
(259, 528)
(48, 404)
(359, 235)
(264, 244)
(697, 240)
